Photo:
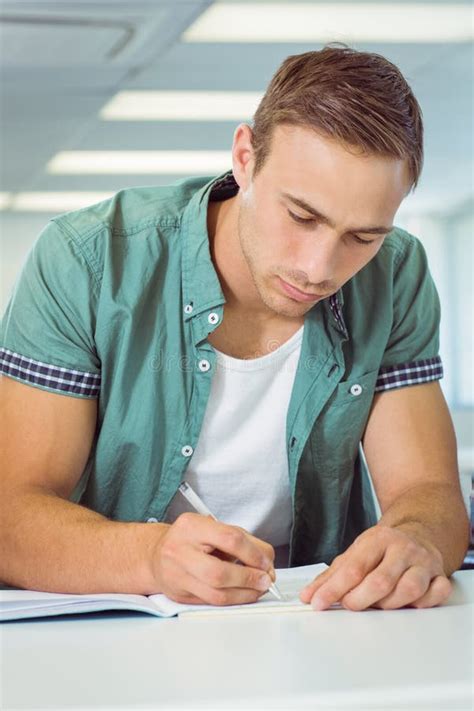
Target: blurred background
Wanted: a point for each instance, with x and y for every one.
(98, 96)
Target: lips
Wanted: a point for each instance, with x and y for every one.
(297, 294)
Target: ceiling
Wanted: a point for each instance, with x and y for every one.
(62, 61)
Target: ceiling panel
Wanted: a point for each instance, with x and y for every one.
(52, 104)
(30, 42)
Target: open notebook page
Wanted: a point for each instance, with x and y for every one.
(290, 582)
(17, 604)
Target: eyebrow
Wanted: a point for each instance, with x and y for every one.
(313, 211)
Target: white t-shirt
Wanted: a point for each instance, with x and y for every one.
(239, 467)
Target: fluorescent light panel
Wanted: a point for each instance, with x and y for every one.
(139, 162)
(5, 200)
(325, 22)
(181, 106)
(50, 201)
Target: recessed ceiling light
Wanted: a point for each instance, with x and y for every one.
(325, 22)
(139, 162)
(181, 106)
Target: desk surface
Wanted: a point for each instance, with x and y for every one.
(337, 659)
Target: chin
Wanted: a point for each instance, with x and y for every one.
(295, 311)
(284, 306)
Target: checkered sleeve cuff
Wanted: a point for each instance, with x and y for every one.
(63, 380)
(413, 373)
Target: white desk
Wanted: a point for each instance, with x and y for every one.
(401, 659)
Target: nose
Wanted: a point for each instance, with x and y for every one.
(320, 257)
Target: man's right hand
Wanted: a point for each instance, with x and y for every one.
(189, 566)
(49, 543)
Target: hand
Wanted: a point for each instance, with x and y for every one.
(196, 562)
(385, 567)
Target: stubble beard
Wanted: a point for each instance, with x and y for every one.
(280, 306)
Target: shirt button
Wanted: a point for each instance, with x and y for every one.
(187, 450)
(355, 389)
(188, 309)
(152, 519)
(204, 366)
(213, 318)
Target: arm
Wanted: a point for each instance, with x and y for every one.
(49, 543)
(410, 447)
(423, 533)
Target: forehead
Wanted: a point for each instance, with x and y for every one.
(304, 161)
(304, 143)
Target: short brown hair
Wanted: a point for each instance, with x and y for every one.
(359, 98)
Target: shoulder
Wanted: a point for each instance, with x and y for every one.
(131, 209)
(395, 281)
(127, 225)
(398, 247)
(129, 212)
(400, 260)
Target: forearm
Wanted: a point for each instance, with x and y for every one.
(50, 544)
(436, 514)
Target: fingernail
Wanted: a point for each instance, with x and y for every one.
(263, 582)
(318, 603)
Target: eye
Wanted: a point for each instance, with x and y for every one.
(362, 241)
(311, 221)
(301, 220)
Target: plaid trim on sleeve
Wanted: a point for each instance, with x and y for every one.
(64, 380)
(414, 373)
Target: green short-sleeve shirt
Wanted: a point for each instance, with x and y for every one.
(116, 301)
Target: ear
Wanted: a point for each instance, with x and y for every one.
(242, 156)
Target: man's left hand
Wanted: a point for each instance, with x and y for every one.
(385, 567)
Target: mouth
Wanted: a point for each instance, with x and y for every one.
(297, 294)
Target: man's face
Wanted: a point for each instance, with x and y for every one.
(284, 244)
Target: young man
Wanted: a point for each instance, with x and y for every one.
(245, 333)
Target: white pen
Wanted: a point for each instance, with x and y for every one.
(197, 503)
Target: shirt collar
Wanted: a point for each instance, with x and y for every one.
(201, 286)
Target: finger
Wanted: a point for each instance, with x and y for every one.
(210, 534)
(265, 547)
(241, 545)
(220, 574)
(308, 591)
(203, 593)
(438, 592)
(197, 592)
(377, 584)
(224, 596)
(225, 556)
(412, 585)
(358, 561)
(230, 558)
(221, 555)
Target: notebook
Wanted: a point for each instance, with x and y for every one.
(18, 604)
